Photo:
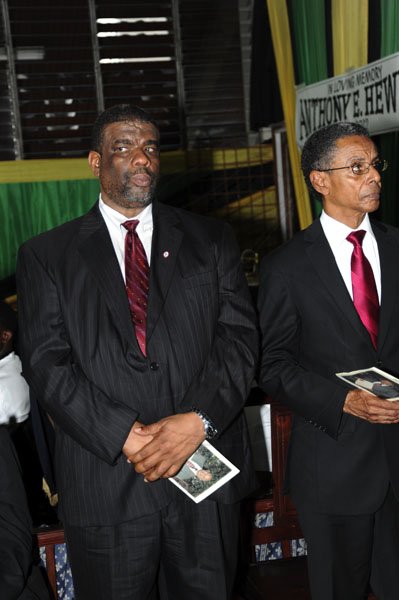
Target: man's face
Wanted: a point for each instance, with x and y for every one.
(127, 165)
(348, 197)
(5, 342)
(204, 475)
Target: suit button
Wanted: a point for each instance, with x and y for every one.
(154, 366)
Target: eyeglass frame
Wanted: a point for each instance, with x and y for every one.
(384, 163)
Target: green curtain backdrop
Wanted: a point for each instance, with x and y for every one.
(308, 23)
(27, 209)
(309, 32)
(389, 26)
(389, 143)
(311, 46)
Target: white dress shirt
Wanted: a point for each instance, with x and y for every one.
(336, 233)
(114, 219)
(14, 391)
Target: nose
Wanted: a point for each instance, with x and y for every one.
(374, 174)
(139, 157)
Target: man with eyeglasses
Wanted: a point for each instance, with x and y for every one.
(329, 302)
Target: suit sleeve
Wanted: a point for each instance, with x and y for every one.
(95, 420)
(222, 386)
(312, 395)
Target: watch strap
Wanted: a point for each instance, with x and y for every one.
(209, 428)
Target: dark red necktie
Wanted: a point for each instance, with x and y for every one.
(365, 296)
(137, 276)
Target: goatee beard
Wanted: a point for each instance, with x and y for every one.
(129, 196)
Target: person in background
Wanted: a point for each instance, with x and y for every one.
(14, 391)
(15, 415)
(20, 576)
(329, 302)
(140, 341)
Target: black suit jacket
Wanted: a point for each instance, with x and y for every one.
(81, 357)
(337, 463)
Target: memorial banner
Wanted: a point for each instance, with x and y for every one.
(368, 95)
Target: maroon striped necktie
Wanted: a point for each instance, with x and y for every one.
(137, 281)
(365, 296)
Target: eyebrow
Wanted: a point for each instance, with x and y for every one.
(122, 141)
(128, 141)
(362, 159)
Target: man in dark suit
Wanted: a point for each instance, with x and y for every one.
(132, 389)
(343, 467)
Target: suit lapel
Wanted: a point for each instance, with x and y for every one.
(98, 253)
(166, 241)
(388, 252)
(322, 258)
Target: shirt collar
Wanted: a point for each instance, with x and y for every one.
(117, 218)
(337, 232)
(8, 358)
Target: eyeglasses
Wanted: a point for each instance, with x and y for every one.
(361, 168)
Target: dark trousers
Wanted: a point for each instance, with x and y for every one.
(185, 551)
(347, 552)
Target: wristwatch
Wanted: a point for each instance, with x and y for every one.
(209, 428)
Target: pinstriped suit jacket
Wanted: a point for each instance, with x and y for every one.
(81, 357)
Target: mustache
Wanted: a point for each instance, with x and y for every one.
(129, 175)
(142, 171)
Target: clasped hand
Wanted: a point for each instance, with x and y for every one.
(159, 450)
(371, 408)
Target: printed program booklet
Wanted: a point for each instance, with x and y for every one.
(373, 380)
(204, 472)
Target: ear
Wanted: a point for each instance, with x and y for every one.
(94, 159)
(320, 182)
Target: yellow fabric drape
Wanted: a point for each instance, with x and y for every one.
(350, 21)
(280, 29)
(173, 161)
